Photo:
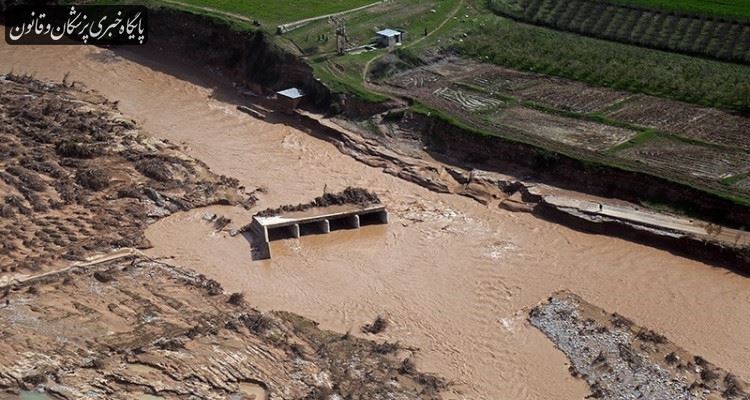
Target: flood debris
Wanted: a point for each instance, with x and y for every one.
(377, 326)
(156, 329)
(620, 360)
(350, 195)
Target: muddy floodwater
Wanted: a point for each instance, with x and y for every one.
(455, 278)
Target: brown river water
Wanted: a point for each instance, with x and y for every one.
(455, 278)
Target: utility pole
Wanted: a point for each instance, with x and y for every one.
(340, 29)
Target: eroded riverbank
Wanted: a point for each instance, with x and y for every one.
(455, 277)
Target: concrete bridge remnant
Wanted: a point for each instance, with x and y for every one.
(310, 222)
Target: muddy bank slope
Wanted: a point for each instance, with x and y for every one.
(403, 155)
(249, 58)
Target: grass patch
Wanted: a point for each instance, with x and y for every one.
(274, 12)
(194, 7)
(637, 140)
(420, 108)
(344, 75)
(597, 117)
(734, 179)
(411, 16)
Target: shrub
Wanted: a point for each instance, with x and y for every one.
(376, 326)
(257, 323)
(651, 336)
(6, 211)
(386, 348)
(93, 179)
(154, 168)
(104, 276)
(74, 149)
(221, 222)
(407, 367)
(709, 375)
(236, 299)
(29, 179)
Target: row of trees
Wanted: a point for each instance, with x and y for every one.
(695, 35)
(609, 64)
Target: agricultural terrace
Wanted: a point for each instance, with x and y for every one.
(701, 147)
(472, 29)
(697, 34)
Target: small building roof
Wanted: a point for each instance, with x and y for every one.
(389, 32)
(292, 93)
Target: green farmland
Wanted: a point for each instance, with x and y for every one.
(518, 45)
(470, 28)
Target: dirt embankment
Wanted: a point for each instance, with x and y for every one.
(620, 360)
(251, 59)
(77, 177)
(248, 58)
(399, 151)
(133, 327)
(462, 147)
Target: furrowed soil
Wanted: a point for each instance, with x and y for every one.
(694, 145)
(453, 277)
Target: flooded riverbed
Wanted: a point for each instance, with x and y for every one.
(455, 278)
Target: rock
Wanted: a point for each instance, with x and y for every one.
(158, 212)
(154, 196)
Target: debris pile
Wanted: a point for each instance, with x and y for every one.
(350, 195)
